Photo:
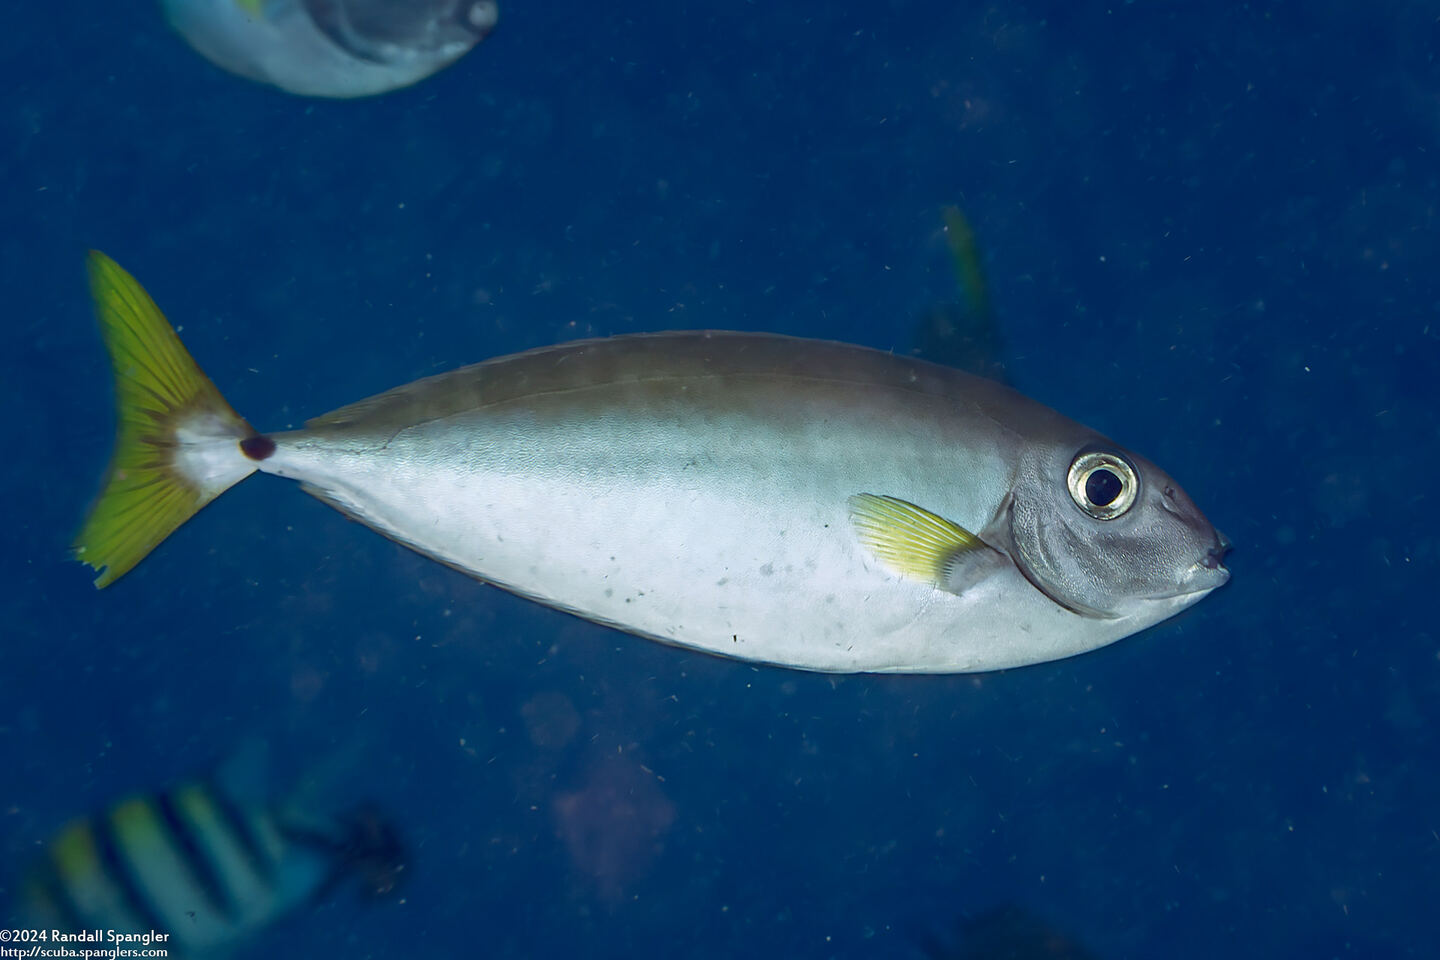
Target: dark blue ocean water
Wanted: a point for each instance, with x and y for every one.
(1210, 231)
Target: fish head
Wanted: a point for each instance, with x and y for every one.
(333, 48)
(1107, 534)
(396, 31)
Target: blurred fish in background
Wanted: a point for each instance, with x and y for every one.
(962, 333)
(1007, 932)
(333, 48)
(211, 862)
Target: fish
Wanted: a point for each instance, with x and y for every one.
(803, 503)
(333, 48)
(963, 333)
(206, 864)
(1007, 932)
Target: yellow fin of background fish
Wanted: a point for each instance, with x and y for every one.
(967, 260)
(170, 415)
(908, 539)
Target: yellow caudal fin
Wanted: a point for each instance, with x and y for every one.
(179, 443)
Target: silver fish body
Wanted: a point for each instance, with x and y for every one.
(795, 502)
(696, 488)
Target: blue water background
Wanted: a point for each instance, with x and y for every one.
(1209, 230)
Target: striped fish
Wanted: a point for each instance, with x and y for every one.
(203, 864)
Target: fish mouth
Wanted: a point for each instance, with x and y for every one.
(1208, 576)
(1204, 574)
(1214, 558)
(1209, 571)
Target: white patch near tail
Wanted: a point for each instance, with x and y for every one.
(207, 453)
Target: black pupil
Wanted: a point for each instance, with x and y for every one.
(1102, 487)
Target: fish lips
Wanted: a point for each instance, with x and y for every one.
(1205, 574)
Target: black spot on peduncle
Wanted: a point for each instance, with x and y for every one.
(257, 447)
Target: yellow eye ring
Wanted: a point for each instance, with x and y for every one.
(1104, 485)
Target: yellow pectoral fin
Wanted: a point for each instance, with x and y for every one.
(911, 540)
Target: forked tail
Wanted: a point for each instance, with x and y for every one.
(179, 445)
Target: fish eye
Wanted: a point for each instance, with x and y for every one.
(1104, 485)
